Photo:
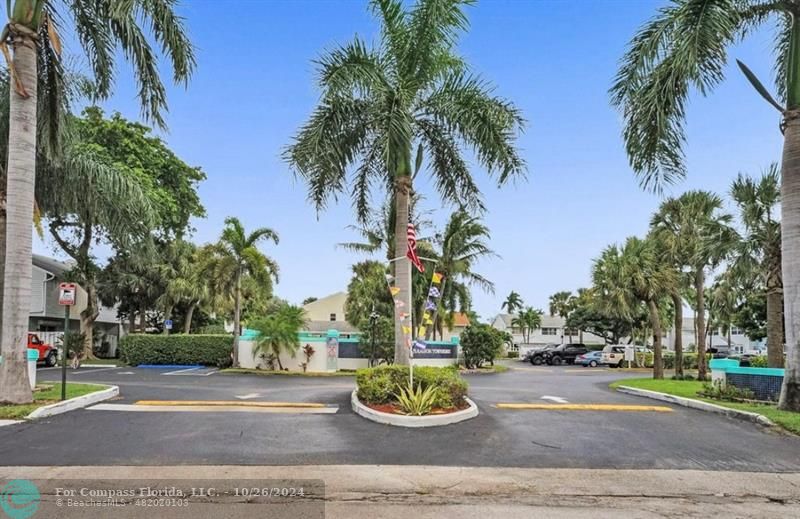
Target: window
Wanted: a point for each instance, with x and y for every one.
(549, 331)
(333, 317)
(715, 331)
(571, 332)
(736, 331)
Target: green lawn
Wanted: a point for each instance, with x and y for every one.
(689, 388)
(50, 395)
(234, 371)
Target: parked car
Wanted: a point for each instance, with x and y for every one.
(47, 353)
(538, 356)
(591, 359)
(565, 353)
(613, 355)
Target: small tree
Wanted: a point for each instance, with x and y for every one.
(480, 343)
(278, 332)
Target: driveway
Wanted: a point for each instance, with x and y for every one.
(498, 437)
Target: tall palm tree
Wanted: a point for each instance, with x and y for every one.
(463, 243)
(685, 48)
(512, 303)
(625, 277)
(694, 229)
(185, 282)
(760, 248)
(102, 26)
(561, 304)
(236, 255)
(412, 91)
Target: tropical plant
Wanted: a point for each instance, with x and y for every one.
(512, 303)
(379, 104)
(694, 232)
(234, 259)
(367, 292)
(723, 301)
(685, 48)
(626, 277)
(278, 332)
(417, 401)
(561, 304)
(102, 27)
(462, 243)
(527, 321)
(481, 343)
(589, 316)
(760, 249)
(184, 281)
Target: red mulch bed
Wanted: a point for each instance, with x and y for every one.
(392, 408)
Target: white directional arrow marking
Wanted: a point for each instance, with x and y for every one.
(125, 373)
(556, 399)
(247, 396)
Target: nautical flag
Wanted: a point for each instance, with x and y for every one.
(430, 305)
(399, 304)
(437, 278)
(404, 316)
(421, 331)
(427, 319)
(420, 344)
(406, 329)
(434, 292)
(389, 278)
(394, 290)
(411, 254)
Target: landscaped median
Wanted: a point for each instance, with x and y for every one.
(47, 400)
(438, 396)
(687, 391)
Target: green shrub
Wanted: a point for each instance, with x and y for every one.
(210, 350)
(212, 329)
(759, 362)
(481, 343)
(380, 385)
(415, 401)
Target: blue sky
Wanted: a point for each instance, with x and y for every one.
(254, 86)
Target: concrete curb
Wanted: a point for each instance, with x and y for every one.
(75, 403)
(698, 404)
(412, 421)
(90, 365)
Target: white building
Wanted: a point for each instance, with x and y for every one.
(740, 343)
(552, 331)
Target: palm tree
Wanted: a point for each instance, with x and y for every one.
(561, 304)
(278, 332)
(527, 321)
(379, 104)
(463, 243)
(625, 277)
(185, 282)
(723, 304)
(683, 49)
(102, 27)
(760, 248)
(693, 230)
(235, 256)
(512, 303)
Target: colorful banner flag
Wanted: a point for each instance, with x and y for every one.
(411, 253)
(399, 304)
(394, 290)
(427, 319)
(434, 292)
(404, 316)
(430, 305)
(421, 331)
(406, 330)
(437, 278)
(389, 278)
(419, 344)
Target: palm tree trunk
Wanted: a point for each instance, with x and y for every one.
(237, 309)
(402, 270)
(131, 322)
(88, 317)
(142, 319)
(655, 320)
(2, 254)
(790, 251)
(699, 285)
(774, 328)
(187, 324)
(20, 176)
(678, 325)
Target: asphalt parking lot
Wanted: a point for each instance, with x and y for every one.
(541, 438)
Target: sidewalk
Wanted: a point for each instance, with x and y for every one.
(371, 491)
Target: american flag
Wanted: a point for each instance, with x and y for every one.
(411, 254)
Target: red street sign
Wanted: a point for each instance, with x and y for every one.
(67, 294)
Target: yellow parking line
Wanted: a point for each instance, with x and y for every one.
(586, 407)
(227, 403)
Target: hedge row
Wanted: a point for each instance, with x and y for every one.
(689, 360)
(380, 385)
(209, 350)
